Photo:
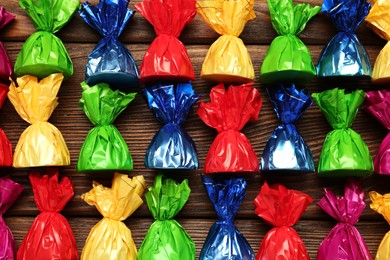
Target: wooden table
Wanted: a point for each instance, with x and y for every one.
(138, 125)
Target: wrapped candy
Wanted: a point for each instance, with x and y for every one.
(171, 147)
(110, 62)
(5, 144)
(286, 149)
(165, 199)
(344, 240)
(281, 208)
(228, 111)
(228, 59)
(104, 148)
(111, 238)
(288, 59)
(9, 192)
(6, 69)
(43, 53)
(344, 153)
(344, 55)
(381, 204)
(41, 144)
(224, 241)
(167, 58)
(50, 235)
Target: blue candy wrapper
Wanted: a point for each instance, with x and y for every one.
(224, 241)
(286, 149)
(171, 147)
(110, 62)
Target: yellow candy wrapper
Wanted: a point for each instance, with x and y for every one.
(228, 59)
(381, 204)
(41, 144)
(110, 238)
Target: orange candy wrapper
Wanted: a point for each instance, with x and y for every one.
(381, 204)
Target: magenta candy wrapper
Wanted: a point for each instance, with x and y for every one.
(6, 69)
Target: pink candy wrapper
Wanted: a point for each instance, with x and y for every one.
(6, 69)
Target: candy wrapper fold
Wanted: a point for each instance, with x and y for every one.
(110, 62)
(381, 204)
(104, 147)
(228, 111)
(286, 149)
(6, 68)
(50, 235)
(43, 53)
(344, 153)
(165, 199)
(228, 59)
(344, 240)
(110, 238)
(171, 147)
(41, 144)
(281, 208)
(224, 241)
(167, 58)
(344, 55)
(9, 192)
(6, 157)
(288, 59)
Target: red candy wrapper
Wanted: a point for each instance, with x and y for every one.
(5, 145)
(281, 208)
(6, 69)
(50, 236)
(167, 58)
(228, 111)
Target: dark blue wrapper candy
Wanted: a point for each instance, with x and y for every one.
(345, 55)
(171, 147)
(110, 62)
(224, 241)
(286, 149)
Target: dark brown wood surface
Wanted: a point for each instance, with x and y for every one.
(138, 125)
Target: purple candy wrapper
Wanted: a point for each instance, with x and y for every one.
(6, 69)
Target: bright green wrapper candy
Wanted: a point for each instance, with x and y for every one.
(104, 148)
(344, 152)
(288, 59)
(44, 53)
(166, 238)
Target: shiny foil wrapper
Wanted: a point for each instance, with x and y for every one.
(286, 149)
(344, 153)
(110, 238)
(6, 157)
(110, 62)
(288, 59)
(171, 147)
(165, 199)
(6, 68)
(50, 235)
(281, 208)
(224, 241)
(104, 147)
(344, 240)
(344, 55)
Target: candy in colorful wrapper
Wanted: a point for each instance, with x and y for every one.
(41, 144)
(381, 204)
(110, 62)
(286, 149)
(166, 238)
(50, 235)
(167, 58)
(344, 153)
(288, 59)
(228, 59)
(9, 192)
(224, 241)
(171, 147)
(43, 53)
(344, 240)
(5, 145)
(104, 147)
(344, 55)
(281, 208)
(110, 238)
(6, 69)
(228, 111)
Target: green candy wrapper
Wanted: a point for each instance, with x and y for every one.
(344, 152)
(166, 238)
(288, 59)
(44, 53)
(104, 148)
